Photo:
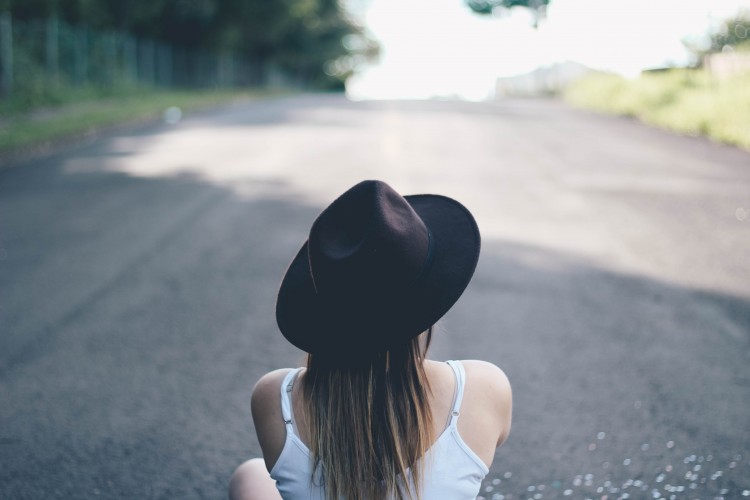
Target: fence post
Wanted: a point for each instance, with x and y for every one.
(52, 49)
(158, 61)
(225, 77)
(202, 78)
(169, 64)
(147, 62)
(109, 41)
(163, 64)
(130, 57)
(6, 53)
(179, 66)
(81, 56)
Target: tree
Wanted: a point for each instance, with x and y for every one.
(305, 38)
(734, 33)
(326, 46)
(488, 7)
(315, 42)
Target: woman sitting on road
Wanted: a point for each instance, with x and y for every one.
(370, 417)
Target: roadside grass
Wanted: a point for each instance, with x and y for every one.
(27, 129)
(686, 101)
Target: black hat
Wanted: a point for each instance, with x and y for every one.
(377, 270)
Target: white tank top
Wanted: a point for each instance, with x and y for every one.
(454, 471)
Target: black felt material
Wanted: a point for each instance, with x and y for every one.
(377, 270)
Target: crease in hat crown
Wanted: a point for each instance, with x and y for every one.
(368, 243)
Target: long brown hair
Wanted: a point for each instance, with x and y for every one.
(370, 422)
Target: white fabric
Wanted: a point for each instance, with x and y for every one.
(454, 471)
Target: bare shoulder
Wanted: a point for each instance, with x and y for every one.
(488, 386)
(267, 388)
(267, 417)
(487, 374)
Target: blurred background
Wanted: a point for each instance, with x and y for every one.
(162, 161)
(679, 65)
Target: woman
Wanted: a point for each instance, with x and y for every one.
(370, 417)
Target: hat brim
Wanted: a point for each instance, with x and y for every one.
(315, 327)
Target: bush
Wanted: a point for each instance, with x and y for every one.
(686, 101)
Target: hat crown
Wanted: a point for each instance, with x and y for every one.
(376, 270)
(368, 244)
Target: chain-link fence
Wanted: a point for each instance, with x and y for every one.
(43, 56)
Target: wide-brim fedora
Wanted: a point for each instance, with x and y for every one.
(377, 269)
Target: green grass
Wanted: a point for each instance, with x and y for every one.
(27, 129)
(686, 101)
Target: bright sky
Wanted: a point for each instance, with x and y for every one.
(440, 48)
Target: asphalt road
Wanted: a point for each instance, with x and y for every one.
(138, 275)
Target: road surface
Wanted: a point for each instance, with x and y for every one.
(138, 275)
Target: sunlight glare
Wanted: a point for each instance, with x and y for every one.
(440, 49)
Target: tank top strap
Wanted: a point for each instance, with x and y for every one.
(286, 397)
(458, 371)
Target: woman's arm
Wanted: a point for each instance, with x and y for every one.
(266, 410)
(487, 409)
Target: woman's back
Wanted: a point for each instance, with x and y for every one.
(360, 297)
(471, 406)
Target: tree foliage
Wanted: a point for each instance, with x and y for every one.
(315, 41)
(734, 33)
(488, 7)
(731, 34)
